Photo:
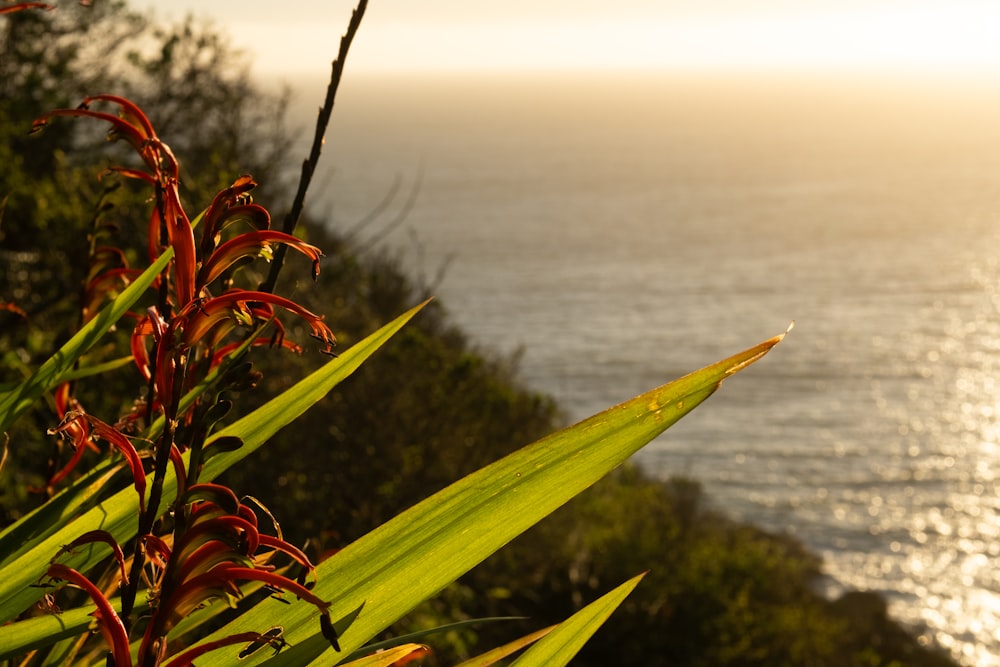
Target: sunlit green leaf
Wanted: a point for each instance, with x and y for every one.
(388, 657)
(96, 369)
(415, 555)
(560, 646)
(493, 656)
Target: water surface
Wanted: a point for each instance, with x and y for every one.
(622, 232)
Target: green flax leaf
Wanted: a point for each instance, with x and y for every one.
(257, 428)
(59, 365)
(412, 557)
(493, 656)
(97, 369)
(565, 641)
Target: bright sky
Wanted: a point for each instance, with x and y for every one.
(923, 36)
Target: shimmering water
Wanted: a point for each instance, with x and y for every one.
(624, 232)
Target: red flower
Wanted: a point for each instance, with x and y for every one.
(98, 536)
(107, 619)
(13, 308)
(229, 206)
(204, 323)
(75, 431)
(211, 556)
(81, 427)
(132, 125)
(216, 544)
(213, 318)
(253, 245)
(10, 9)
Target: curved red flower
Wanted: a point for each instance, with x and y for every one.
(231, 205)
(72, 426)
(107, 619)
(213, 318)
(253, 245)
(132, 125)
(10, 9)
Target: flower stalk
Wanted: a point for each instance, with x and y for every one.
(213, 544)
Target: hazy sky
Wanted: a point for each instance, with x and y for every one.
(938, 36)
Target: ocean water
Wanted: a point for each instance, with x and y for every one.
(622, 231)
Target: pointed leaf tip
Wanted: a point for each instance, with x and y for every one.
(753, 354)
(561, 645)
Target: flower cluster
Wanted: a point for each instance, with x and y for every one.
(219, 546)
(208, 542)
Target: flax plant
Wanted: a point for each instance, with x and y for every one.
(148, 551)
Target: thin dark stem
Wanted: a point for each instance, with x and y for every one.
(309, 164)
(148, 518)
